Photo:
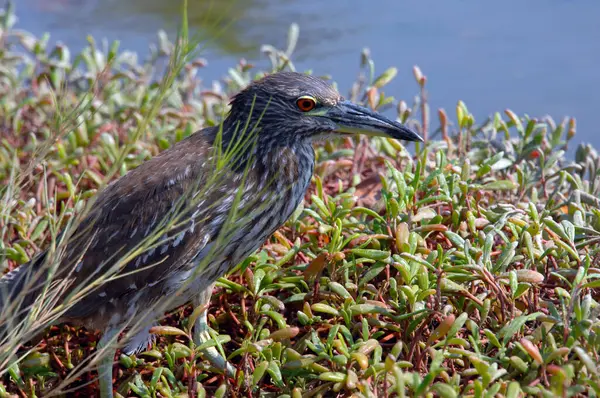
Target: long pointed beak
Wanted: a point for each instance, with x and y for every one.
(354, 119)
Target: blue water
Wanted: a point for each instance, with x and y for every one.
(536, 57)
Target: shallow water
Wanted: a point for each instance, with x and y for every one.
(536, 57)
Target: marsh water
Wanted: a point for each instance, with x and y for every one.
(537, 56)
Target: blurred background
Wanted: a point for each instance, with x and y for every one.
(539, 57)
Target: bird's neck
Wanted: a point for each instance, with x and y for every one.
(291, 164)
(290, 161)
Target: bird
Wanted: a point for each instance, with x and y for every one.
(223, 191)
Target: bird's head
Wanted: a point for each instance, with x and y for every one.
(294, 107)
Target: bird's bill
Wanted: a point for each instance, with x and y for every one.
(354, 119)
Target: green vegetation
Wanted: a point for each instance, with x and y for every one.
(470, 267)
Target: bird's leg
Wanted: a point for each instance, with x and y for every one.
(105, 364)
(201, 334)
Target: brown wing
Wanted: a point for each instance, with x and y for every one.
(133, 209)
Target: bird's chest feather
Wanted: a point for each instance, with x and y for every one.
(281, 188)
(266, 199)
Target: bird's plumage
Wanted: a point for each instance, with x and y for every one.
(132, 208)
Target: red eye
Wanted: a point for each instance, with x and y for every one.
(306, 104)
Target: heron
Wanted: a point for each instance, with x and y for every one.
(272, 123)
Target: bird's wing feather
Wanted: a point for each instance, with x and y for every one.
(129, 211)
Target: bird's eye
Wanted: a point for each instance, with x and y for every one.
(306, 103)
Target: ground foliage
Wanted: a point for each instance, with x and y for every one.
(468, 266)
